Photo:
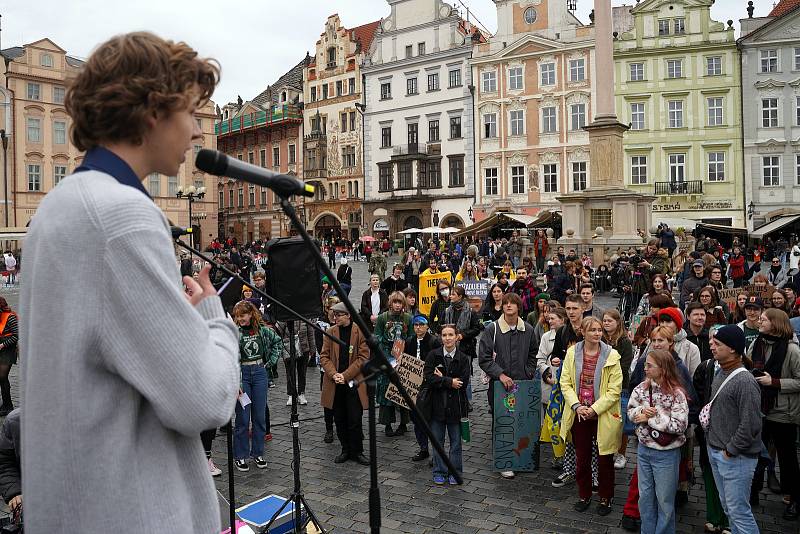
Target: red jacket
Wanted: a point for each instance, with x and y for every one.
(737, 266)
(536, 246)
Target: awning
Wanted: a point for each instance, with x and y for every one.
(721, 228)
(541, 219)
(772, 226)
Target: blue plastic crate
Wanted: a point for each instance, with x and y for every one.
(258, 514)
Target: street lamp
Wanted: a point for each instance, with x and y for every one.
(192, 194)
(4, 139)
(751, 208)
(471, 214)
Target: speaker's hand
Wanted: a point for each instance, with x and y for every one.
(197, 290)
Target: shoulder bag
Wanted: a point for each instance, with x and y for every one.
(705, 413)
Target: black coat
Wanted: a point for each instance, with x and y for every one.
(429, 342)
(436, 315)
(561, 285)
(447, 404)
(390, 285)
(702, 342)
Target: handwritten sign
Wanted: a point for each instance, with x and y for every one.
(475, 289)
(427, 289)
(636, 320)
(729, 295)
(517, 422)
(409, 369)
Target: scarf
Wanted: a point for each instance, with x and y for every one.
(465, 314)
(773, 366)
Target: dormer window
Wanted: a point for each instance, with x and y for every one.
(46, 60)
(331, 57)
(283, 96)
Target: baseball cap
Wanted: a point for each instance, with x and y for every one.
(754, 302)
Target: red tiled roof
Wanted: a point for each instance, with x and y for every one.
(365, 34)
(783, 7)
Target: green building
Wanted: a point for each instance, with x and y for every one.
(678, 85)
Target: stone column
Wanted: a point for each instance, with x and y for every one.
(604, 61)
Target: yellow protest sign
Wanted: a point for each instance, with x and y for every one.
(427, 289)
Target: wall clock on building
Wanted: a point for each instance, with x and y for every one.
(530, 15)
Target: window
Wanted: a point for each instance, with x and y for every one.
(677, 167)
(455, 127)
(433, 81)
(339, 88)
(262, 155)
(550, 178)
(250, 158)
(433, 131)
(46, 60)
(34, 91)
(578, 175)
(715, 111)
(797, 169)
(230, 197)
(409, 50)
(154, 186)
(385, 178)
(343, 121)
(349, 156)
(324, 91)
(797, 59)
(413, 133)
(420, 49)
(351, 86)
(386, 136)
(313, 94)
(386, 90)
(434, 174)
(251, 195)
(489, 81)
(411, 86)
(663, 27)
(518, 179)
(549, 119)
(769, 112)
(716, 166)
(455, 78)
(517, 120)
(489, 125)
(352, 121)
(674, 68)
(577, 116)
(530, 15)
(713, 66)
(311, 159)
(456, 171)
(292, 154)
(34, 177)
(59, 133)
(331, 57)
(58, 94)
(59, 173)
(355, 189)
(264, 196)
(490, 181)
(637, 116)
(797, 111)
(172, 185)
(404, 175)
(637, 72)
(771, 170)
(221, 198)
(675, 113)
(240, 197)
(769, 60)
(638, 170)
(577, 70)
(35, 130)
(680, 26)
(276, 156)
(515, 78)
(548, 73)
(198, 183)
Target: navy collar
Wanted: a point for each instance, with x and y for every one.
(103, 160)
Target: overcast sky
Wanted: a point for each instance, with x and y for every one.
(255, 41)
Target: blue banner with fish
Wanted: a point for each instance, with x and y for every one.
(517, 422)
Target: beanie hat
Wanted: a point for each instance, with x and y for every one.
(543, 296)
(732, 336)
(325, 280)
(674, 315)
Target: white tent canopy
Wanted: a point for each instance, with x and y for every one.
(411, 231)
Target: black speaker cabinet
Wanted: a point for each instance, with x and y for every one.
(293, 278)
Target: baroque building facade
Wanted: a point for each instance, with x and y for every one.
(677, 84)
(534, 84)
(333, 155)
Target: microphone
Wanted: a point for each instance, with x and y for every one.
(178, 231)
(218, 164)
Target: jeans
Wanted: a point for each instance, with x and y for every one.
(254, 383)
(454, 433)
(422, 437)
(733, 477)
(658, 482)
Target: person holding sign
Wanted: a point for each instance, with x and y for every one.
(419, 345)
(340, 367)
(508, 350)
(447, 372)
(591, 381)
(392, 328)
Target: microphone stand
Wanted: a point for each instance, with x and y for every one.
(379, 363)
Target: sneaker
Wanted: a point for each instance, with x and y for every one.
(213, 469)
(421, 455)
(507, 474)
(620, 461)
(261, 463)
(562, 480)
(604, 507)
(452, 480)
(268, 437)
(582, 505)
(328, 436)
(557, 463)
(289, 401)
(272, 385)
(241, 465)
(438, 480)
(302, 399)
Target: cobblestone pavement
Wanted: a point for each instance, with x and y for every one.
(410, 502)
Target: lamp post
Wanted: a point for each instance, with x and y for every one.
(751, 208)
(471, 214)
(192, 194)
(4, 139)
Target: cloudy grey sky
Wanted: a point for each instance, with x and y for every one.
(255, 41)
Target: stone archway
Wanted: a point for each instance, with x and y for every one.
(328, 226)
(452, 220)
(412, 222)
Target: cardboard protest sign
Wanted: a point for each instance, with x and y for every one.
(427, 289)
(636, 320)
(516, 426)
(409, 369)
